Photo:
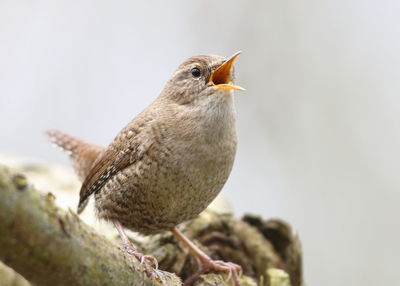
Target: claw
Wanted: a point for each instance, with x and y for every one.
(150, 258)
(240, 272)
(144, 259)
(229, 275)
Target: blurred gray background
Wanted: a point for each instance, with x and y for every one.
(319, 124)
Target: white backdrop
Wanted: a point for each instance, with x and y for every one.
(318, 126)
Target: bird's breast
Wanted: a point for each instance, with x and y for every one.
(205, 153)
(207, 132)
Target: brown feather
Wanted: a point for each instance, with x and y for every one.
(107, 166)
(117, 156)
(82, 154)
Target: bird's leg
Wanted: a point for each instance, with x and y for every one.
(234, 271)
(133, 251)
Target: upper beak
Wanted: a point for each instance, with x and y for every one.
(221, 77)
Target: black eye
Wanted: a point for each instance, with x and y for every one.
(196, 72)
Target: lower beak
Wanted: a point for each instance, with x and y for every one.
(221, 77)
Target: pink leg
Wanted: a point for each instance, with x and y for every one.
(132, 250)
(207, 263)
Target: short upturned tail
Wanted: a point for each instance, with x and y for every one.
(82, 154)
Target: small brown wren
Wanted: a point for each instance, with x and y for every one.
(169, 162)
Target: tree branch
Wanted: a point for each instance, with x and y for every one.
(49, 246)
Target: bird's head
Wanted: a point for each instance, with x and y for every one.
(200, 77)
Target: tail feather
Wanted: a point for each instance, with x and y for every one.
(82, 154)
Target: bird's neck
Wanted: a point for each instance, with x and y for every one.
(218, 116)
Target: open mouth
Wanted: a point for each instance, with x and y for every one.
(221, 77)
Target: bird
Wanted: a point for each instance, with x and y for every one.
(168, 163)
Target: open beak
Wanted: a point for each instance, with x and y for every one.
(221, 77)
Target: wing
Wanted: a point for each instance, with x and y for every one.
(126, 149)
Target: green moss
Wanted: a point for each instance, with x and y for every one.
(20, 181)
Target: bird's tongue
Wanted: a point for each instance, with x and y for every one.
(221, 77)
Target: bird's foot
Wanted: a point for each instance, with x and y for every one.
(143, 258)
(146, 260)
(234, 271)
(149, 262)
